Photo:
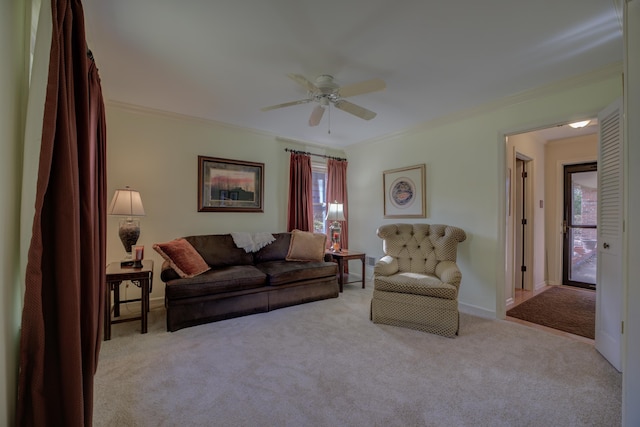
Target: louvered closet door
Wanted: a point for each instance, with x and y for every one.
(610, 216)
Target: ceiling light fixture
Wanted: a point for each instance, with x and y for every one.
(581, 124)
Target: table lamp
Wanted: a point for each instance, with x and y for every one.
(127, 202)
(335, 213)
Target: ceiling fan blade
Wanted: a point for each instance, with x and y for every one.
(316, 115)
(367, 86)
(354, 109)
(302, 81)
(286, 104)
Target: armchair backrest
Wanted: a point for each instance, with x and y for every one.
(420, 247)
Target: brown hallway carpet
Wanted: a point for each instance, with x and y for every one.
(566, 309)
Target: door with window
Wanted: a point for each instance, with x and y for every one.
(580, 225)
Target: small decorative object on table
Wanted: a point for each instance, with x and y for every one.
(138, 256)
(335, 213)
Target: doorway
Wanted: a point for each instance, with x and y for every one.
(579, 225)
(542, 154)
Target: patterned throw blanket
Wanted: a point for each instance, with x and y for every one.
(252, 242)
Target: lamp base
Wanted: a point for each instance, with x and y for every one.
(335, 231)
(129, 231)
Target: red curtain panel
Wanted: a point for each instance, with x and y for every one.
(65, 282)
(300, 210)
(337, 191)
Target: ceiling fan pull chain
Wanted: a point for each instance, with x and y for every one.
(329, 121)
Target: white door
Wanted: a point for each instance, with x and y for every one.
(610, 213)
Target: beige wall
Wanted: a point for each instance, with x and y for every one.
(466, 162)
(558, 154)
(157, 154)
(12, 101)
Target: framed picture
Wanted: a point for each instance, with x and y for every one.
(229, 185)
(404, 192)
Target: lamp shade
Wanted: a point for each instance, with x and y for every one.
(335, 212)
(126, 202)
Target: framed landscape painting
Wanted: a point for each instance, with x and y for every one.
(404, 192)
(229, 185)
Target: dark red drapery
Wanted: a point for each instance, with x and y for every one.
(337, 191)
(300, 210)
(63, 303)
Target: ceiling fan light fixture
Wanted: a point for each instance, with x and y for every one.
(578, 125)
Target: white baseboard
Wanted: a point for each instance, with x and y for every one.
(540, 286)
(476, 311)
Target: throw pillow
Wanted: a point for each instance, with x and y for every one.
(182, 257)
(306, 246)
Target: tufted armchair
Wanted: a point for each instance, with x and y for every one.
(416, 282)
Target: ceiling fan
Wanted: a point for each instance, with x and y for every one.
(325, 92)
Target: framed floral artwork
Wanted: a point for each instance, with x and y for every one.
(229, 185)
(404, 192)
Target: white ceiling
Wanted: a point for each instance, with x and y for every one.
(224, 60)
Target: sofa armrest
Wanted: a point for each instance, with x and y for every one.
(386, 266)
(449, 272)
(167, 273)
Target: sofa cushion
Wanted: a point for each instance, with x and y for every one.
(276, 251)
(217, 281)
(283, 272)
(182, 257)
(416, 284)
(219, 250)
(306, 246)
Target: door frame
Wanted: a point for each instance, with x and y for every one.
(528, 214)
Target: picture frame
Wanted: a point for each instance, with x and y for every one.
(404, 192)
(226, 185)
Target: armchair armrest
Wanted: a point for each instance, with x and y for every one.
(386, 266)
(449, 272)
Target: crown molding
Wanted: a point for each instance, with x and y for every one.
(614, 69)
(139, 109)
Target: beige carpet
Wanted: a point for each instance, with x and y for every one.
(326, 364)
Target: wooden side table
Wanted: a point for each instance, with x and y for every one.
(142, 278)
(340, 258)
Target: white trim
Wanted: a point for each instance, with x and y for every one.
(614, 69)
(476, 311)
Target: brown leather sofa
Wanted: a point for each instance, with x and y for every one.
(241, 283)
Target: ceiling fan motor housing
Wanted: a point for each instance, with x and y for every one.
(326, 84)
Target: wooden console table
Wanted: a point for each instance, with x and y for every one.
(340, 258)
(140, 277)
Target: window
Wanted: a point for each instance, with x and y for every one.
(319, 189)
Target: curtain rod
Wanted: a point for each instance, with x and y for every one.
(313, 154)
